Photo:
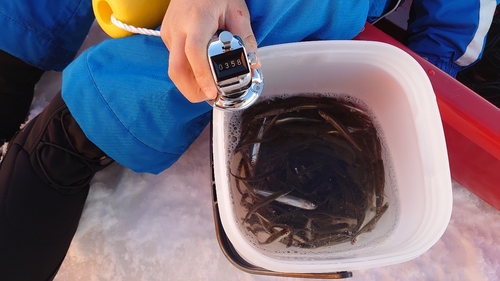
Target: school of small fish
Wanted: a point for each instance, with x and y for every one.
(309, 171)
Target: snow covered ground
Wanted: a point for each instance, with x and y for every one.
(146, 227)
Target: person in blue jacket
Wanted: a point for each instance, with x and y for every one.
(117, 102)
(450, 34)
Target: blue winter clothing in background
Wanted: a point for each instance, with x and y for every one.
(45, 34)
(122, 98)
(450, 34)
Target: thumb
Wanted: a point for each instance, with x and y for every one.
(251, 46)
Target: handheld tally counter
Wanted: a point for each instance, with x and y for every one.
(238, 85)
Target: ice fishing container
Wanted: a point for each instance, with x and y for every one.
(399, 94)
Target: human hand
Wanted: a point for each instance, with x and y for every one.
(187, 28)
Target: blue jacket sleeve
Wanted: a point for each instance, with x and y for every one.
(450, 34)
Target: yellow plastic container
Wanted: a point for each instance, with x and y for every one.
(138, 13)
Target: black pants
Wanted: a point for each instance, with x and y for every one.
(44, 182)
(17, 82)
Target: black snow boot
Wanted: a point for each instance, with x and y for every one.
(17, 83)
(44, 182)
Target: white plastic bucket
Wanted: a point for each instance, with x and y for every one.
(398, 93)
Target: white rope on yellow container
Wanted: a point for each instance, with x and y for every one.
(133, 29)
